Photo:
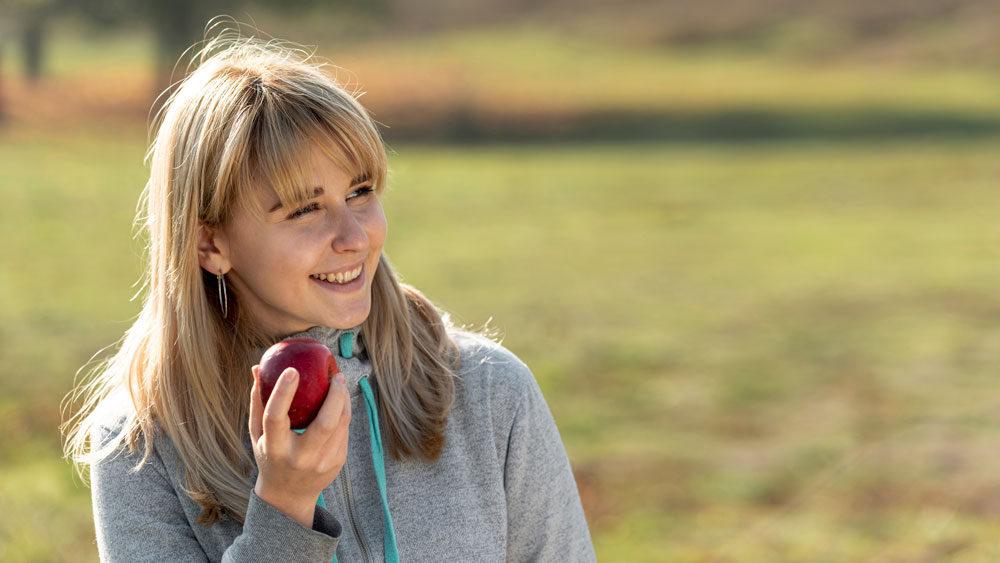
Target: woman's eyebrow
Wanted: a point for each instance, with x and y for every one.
(317, 191)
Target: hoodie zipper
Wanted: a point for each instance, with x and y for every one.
(352, 514)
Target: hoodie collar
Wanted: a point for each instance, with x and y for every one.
(333, 338)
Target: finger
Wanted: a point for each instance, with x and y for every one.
(336, 446)
(328, 419)
(256, 407)
(346, 414)
(276, 421)
(334, 455)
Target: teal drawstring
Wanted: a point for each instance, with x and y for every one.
(347, 345)
(388, 535)
(378, 459)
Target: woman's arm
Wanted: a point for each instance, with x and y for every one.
(545, 519)
(139, 517)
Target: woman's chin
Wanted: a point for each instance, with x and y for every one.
(349, 319)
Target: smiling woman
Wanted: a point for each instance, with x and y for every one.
(264, 221)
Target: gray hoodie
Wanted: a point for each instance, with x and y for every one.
(502, 489)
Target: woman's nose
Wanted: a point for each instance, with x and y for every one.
(347, 232)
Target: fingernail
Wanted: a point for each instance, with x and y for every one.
(291, 376)
(340, 378)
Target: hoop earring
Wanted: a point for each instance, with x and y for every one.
(223, 295)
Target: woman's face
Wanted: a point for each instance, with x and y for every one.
(293, 269)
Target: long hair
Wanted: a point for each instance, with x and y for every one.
(247, 114)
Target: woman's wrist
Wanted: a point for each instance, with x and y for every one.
(302, 510)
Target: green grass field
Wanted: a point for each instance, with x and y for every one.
(752, 351)
(755, 352)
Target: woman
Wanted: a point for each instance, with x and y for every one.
(264, 222)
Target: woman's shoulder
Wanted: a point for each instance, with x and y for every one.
(109, 421)
(479, 351)
(117, 438)
(487, 365)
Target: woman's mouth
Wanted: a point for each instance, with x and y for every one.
(339, 277)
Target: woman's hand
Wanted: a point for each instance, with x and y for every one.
(295, 468)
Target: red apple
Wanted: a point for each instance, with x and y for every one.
(315, 365)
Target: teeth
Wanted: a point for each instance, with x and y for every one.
(339, 277)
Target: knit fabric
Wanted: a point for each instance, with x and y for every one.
(502, 489)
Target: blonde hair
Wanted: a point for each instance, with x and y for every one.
(247, 114)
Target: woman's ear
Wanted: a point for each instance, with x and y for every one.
(213, 250)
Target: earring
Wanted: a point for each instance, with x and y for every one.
(223, 295)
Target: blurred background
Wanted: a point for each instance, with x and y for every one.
(748, 247)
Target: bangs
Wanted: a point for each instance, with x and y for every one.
(281, 124)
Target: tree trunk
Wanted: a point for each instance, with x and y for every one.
(3, 106)
(33, 45)
(177, 25)
(175, 28)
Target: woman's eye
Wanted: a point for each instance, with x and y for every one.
(361, 192)
(307, 209)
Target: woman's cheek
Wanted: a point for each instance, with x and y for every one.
(376, 227)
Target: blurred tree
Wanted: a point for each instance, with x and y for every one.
(2, 108)
(10, 12)
(179, 24)
(28, 19)
(176, 24)
(32, 41)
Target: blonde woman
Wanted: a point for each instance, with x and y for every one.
(263, 220)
